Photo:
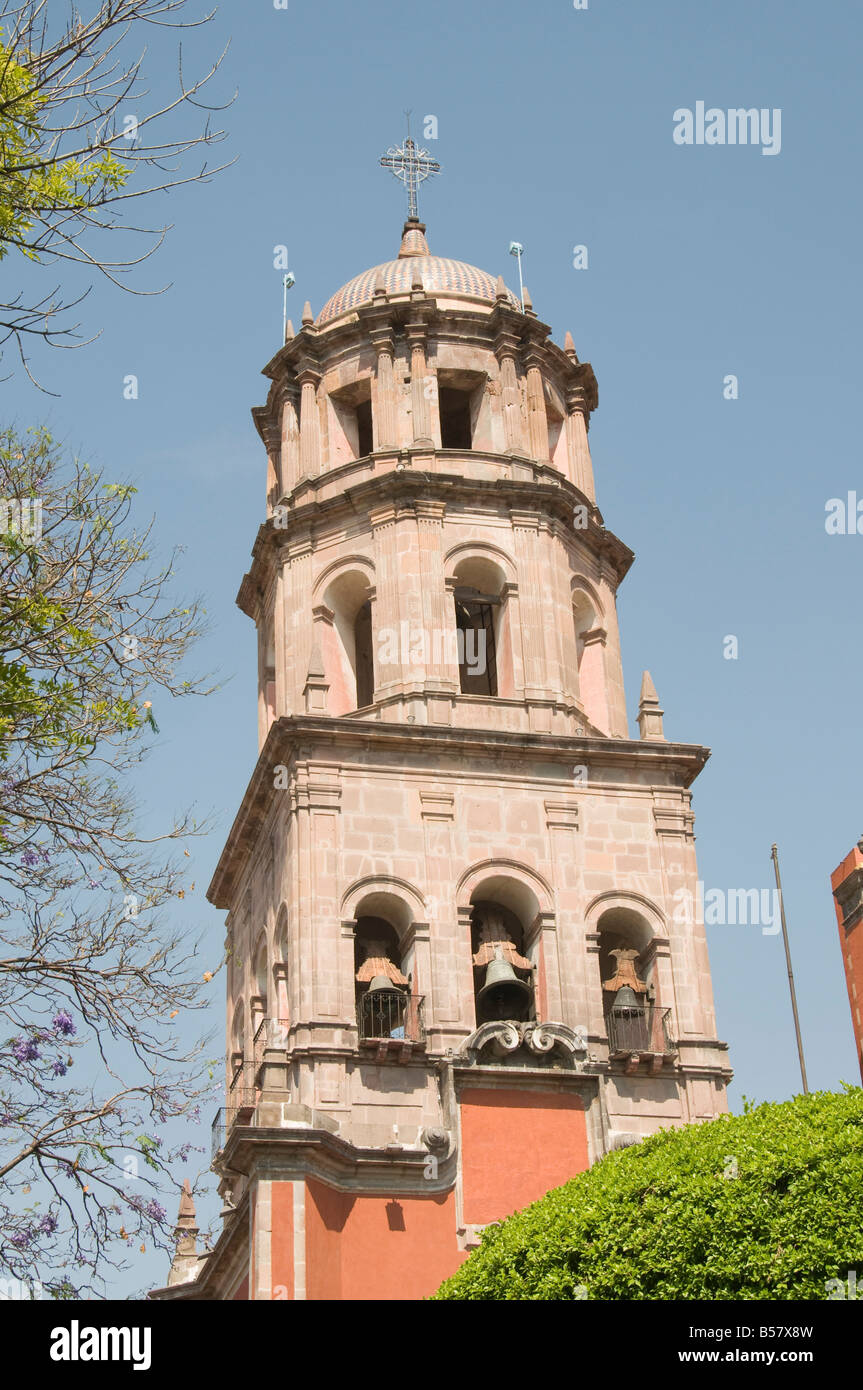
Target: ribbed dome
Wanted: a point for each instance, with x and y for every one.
(439, 275)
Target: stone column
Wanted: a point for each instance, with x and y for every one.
(290, 469)
(384, 414)
(416, 333)
(578, 449)
(531, 589)
(387, 596)
(505, 350)
(438, 611)
(537, 420)
(310, 426)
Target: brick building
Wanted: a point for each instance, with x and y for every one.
(456, 974)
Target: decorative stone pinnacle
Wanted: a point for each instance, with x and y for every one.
(649, 712)
(500, 293)
(528, 303)
(308, 316)
(289, 331)
(316, 671)
(186, 1217)
(569, 346)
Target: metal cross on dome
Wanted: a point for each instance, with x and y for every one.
(412, 165)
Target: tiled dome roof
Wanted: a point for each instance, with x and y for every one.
(439, 275)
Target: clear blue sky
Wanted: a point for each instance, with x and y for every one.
(555, 128)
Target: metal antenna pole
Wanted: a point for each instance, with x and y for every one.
(774, 853)
(284, 307)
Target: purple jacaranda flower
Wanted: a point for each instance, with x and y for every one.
(21, 1239)
(63, 1023)
(29, 858)
(155, 1211)
(47, 1226)
(25, 1050)
(59, 1068)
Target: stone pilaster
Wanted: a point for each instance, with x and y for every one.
(578, 448)
(416, 333)
(505, 347)
(310, 423)
(537, 420)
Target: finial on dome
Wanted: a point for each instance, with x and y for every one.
(308, 316)
(412, 166)
(413, 239)
(500, 291)
(569, 346)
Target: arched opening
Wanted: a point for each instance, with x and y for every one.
(382, 989)
(481, 627)
(364, 661)
(460, 399)
(503, 975)
(590, 638)
(280, 973)
(348, 644)
(349, 423)
(261, 975)
(238, 1041)
(635, 1020)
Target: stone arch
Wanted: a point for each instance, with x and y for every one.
(339, 566)
(525, 889)
(477, 549)
(393, 899)
(280, 972)
(624, 919)
(501, 901)
(342, 609)
(588, 618)
(481, 579)
(238, 1036)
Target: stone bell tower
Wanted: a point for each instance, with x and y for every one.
(457, 972)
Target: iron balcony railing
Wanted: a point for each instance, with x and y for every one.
(270, 1033)
(390, 1015)
(222, 1125)
(646, 1030)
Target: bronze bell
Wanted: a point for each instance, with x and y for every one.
(503, 996)
(379, 983)
(627, 1003)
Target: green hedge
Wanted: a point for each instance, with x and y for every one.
(661, 1220)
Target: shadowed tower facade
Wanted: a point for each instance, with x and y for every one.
(458, 972)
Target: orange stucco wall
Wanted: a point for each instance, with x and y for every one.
(852, 952)
(516, 1145)
(282, 1256)
(380, 1248)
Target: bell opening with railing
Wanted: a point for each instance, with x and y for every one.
(389, 1019)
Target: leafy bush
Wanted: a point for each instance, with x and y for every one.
(764, 1205)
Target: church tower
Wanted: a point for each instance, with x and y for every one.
(463, 962)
